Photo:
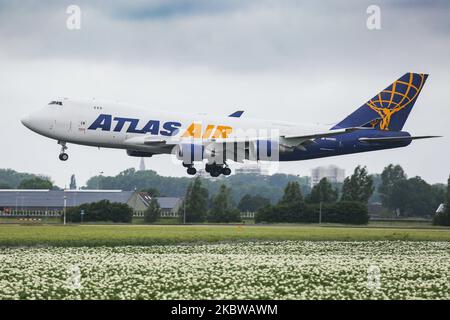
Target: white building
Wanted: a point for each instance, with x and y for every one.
(331, 172)
(441, 208)
(253, 168)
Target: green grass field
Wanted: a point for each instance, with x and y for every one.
(119, 235)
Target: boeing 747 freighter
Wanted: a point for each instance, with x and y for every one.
(214, 141)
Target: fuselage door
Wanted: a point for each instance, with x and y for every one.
(82, 126)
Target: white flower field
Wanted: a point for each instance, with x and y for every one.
(247, 270)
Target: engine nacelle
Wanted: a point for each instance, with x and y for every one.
(135, 153)
(267, 149)
(189, 152)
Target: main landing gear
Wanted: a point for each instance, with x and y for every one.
(216, 170)
(213, 169)
(63, 156)
(190, 169)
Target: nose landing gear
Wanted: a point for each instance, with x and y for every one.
(63, 156)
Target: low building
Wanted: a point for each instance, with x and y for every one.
(253, 168)
(441, 208)
(169, 205)
(52, 202)
(18, 200)
(375, 209)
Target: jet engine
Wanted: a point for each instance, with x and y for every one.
(135, 153)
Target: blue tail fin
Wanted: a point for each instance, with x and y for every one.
(389, 109)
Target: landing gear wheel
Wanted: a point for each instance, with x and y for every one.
(191, 171)
(63, 156)
(226, 171)
(215, 173)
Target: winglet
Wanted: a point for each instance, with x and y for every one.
(236, 114)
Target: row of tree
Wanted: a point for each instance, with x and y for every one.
(321, 205)
(398, 194)
(409, 197)
(293, 208)
(10, 179)
(100, 211)
(197, 207)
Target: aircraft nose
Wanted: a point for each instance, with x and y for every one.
(33, 122)
(26, 121)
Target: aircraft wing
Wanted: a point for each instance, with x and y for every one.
(290, 141)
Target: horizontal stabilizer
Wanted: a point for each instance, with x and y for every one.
(394, 139)
(329, 133)
(297, 140)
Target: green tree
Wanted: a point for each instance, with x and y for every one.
(323, 192)
(348, 212)
(292, 194)
(414, 197)
(391, 175)
(101, 211)
(153, 211)
(36, 183)
(266, 214)
(73, 182)
(222, 209)
(249, 203)
(358, 187)
(443, 218)
(13, 178)
(195, 202)
(291, 206)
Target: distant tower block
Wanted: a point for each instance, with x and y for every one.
(332, 173)
(142, 165)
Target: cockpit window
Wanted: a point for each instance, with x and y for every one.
(59, 103)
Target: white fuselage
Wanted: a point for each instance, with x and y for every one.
(74, 121)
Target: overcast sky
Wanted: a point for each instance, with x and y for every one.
(285, 60)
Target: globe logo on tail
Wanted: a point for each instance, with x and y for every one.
(399, 95)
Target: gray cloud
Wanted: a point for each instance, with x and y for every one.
(171, 9)
(253, 36)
